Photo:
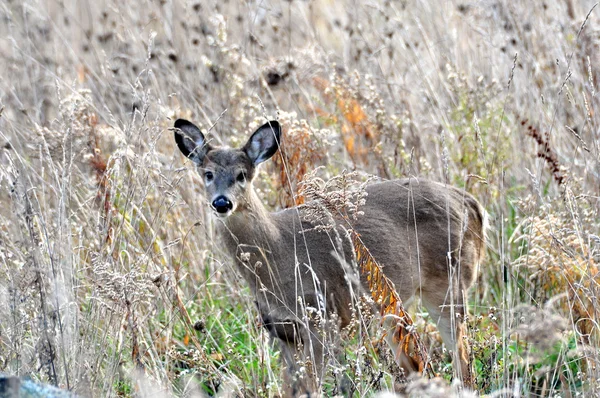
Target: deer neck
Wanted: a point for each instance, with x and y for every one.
(250, 236)
(250, 225)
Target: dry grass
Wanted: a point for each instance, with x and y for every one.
(111, 282)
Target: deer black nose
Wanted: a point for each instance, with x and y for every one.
(222, 205)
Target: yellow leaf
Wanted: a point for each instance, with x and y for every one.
(217, 356)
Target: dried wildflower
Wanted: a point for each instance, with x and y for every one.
(338, 197)
(547, 153)
(121, 287)
(541, 327)
(301, 149)
(564, 257)
(434, 388)
(358, 131)
(77, 135)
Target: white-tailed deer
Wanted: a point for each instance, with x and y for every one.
(428, 237)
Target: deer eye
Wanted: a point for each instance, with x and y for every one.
(208, 175)
(241, 177)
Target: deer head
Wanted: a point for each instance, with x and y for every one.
(227, 172)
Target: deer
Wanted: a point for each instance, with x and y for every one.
(428, 237)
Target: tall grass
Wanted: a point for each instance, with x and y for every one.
(111, 280)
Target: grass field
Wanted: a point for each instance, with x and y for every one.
(112, 282)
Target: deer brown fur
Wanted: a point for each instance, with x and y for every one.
(428, 237)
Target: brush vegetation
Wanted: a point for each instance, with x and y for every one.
(111, 280)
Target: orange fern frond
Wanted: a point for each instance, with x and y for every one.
(299, 152)
(358, 133)
(405, 339)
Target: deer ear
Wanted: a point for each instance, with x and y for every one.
(191, 141)
(264, 142)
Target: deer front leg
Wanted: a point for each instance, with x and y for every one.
(301, 352)
(313, 356)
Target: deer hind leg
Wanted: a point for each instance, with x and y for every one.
(449, 314)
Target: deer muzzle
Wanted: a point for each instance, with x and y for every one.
(222, 205)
